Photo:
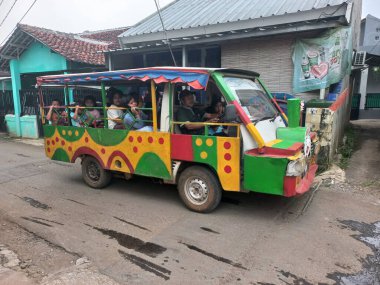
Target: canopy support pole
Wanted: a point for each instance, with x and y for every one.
(67, 102)
(154, 104)
(104, 104)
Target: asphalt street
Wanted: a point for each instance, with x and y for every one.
(138, 231)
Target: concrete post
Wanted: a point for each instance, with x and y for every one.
(16, 86)
(322, 94)
(203, 57)
(184, 56)
(363, 88)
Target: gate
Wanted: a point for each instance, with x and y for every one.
(355, 107)
(372, 101)
(6, 107)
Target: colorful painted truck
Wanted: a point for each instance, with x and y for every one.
(262, 150)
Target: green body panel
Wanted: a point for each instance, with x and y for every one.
(218, 77)
(48, 131)
(107, 137)
(151, 165)
(264, 174)
(290, 136)
(294, 112)
(71, 134)
(199, 151)
(284, 144)
(60, 155)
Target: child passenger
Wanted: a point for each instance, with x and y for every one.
(115, 113)
(56, 116)
(90, 103)
(80, 117)
(135, 120)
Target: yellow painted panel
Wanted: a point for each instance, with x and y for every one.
(229, 163)
(134, 146)
(271, 143)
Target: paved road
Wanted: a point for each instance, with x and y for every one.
(139, 232)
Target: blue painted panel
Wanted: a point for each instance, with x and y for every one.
(39, 58)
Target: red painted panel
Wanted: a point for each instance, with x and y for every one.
(291, 188)
(243, 116)
(182, 147)
(341, 99)
(272, 152)
(122, 155)
(86, 151)
(296, 146)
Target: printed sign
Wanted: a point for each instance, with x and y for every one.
(320, 62)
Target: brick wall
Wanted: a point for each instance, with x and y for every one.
(270, 56)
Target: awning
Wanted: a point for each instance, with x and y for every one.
(196, 78)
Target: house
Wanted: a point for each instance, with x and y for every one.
(32, 51)
(370, 76)
(299, 47)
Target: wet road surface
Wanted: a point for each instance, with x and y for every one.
(139, 232)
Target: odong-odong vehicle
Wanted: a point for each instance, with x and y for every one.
(260, 149)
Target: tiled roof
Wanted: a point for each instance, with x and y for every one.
(69, 46)
(83, 47)
(108, 36)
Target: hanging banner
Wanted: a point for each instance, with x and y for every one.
(320, 62)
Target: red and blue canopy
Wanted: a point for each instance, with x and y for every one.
(196, 78)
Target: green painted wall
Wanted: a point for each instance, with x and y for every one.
(39, 58)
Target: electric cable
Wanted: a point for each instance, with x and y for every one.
(22, 18)
(165, 33)
(10, 10)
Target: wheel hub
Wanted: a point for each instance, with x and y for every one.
(93, 171)
(196, 190)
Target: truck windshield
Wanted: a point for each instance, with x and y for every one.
(252, 98)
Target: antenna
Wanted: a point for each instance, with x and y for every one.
(166, 35)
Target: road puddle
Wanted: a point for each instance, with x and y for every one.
(34, 203)
(213, 256)
(369, 234)
(130, 242)
(146, 265)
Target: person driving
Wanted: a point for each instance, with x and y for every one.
(187, 113)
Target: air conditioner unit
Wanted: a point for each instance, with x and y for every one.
(359, 58)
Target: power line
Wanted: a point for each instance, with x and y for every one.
(1, 2)
(166, 35)
(22, 18)
(6, 16)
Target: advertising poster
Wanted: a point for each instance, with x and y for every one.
(320, 62)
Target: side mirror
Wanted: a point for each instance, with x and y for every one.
(230, 113)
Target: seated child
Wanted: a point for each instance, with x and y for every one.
(135, 120)
(56, 115)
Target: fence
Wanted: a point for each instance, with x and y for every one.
(6, 107)
(372, 101)
(355, 107)
(30, 103)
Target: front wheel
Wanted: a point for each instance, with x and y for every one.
(93, 173)
(199, 189)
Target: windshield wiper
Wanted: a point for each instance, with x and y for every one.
(271, 118)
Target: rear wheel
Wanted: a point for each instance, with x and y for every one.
(199, 189)
(93, 173)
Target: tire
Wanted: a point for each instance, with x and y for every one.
(93, 173)
(199, 189)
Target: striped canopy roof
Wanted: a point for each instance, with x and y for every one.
(196, 78)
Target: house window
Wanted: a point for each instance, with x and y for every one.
(378, 30)
(377, 38)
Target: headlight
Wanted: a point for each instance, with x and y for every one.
(296, 167)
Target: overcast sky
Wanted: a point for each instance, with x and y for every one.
(81, 15)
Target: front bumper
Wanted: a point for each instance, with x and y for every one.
(297, 185)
